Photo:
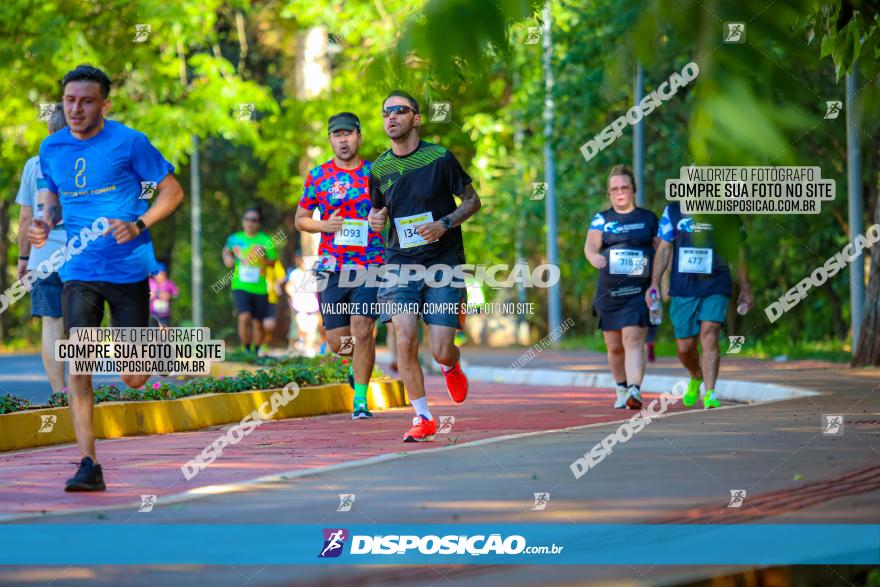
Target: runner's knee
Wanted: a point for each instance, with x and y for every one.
(633, 340)
(361, 328)
(614, 348)
(685, 346)
(407, 344)
(445, 355)
(709, 337)
(334, 341)
(134, 381)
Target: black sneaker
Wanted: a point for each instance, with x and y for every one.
(88, 477)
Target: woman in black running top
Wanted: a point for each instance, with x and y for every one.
(620, 244)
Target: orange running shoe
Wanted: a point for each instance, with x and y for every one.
(456, 383)
(421, 431)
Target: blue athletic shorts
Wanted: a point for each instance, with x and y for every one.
(46, 297)
(441, 306)
(686, 313)
(339, 304)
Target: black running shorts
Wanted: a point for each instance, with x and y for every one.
(83, 304)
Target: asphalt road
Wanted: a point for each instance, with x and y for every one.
(23, 376)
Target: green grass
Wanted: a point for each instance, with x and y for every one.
(17, 345)
(837, 351)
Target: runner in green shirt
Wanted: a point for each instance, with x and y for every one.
(250, 252)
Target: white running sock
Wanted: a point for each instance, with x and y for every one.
(421, 407)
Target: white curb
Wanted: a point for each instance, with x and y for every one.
(730, 390)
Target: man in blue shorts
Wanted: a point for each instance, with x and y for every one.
(97, 170)
(700, 288)
(414, 183)
(46, 290)
(339, 189)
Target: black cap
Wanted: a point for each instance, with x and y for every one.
(343, 121)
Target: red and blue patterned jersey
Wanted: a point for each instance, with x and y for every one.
(330, 188)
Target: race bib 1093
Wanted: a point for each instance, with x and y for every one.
(354, 233)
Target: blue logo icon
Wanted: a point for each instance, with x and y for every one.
(612, 227)
(334, 541)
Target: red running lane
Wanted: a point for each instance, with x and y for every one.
(33, 480)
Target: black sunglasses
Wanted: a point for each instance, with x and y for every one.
(386, 112)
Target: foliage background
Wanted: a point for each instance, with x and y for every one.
(757, 103)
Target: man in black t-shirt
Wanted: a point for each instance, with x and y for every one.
(413, 184)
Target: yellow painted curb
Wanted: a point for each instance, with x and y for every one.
(21, 430)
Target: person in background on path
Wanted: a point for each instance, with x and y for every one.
(304, 334)
(649, 343)
(700, 287)
(250, 252)
(275, 276)
(45, 291)
(620, 244)
(162, 291)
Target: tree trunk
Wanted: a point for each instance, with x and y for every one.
(868, 350)
(4, 264)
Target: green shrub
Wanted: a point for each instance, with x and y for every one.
(9, 403)
(303, 370)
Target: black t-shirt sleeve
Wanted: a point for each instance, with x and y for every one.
(456, 177)
(377, 198)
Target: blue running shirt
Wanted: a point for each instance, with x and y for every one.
(103, 177)
(698, 269)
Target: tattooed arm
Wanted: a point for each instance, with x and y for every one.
(470, 203)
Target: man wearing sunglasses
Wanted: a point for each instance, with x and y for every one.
(339, 189)
(413, 184)
(249, 253)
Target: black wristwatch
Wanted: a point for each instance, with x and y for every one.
(140, 224)
(446, 223)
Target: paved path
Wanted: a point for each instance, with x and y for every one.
(151, 465)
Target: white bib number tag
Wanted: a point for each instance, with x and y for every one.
(626, 262)
(160, 305)
(407, 229)
(353, 233)
(691, 260)
(249, 273)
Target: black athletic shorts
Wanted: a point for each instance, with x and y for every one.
(83, 304)
(257, 305)
(339, 304)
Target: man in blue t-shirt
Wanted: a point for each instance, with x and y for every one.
(700, 288)
(101, 173)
